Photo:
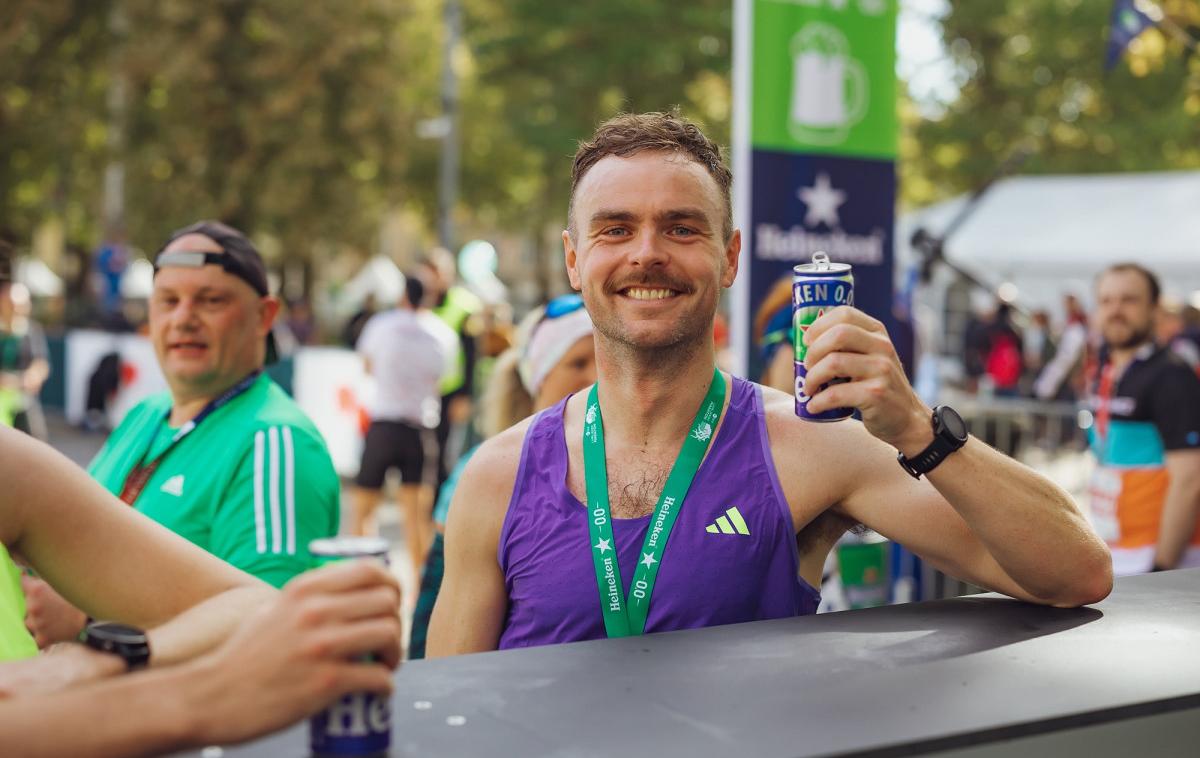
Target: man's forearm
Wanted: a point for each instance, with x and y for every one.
(1180, 508)
(1029, 525)
(139, 714)
(205, 625)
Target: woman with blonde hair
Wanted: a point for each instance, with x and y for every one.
(554, 356)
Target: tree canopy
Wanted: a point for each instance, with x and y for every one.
(1032, 71)
(302, 122)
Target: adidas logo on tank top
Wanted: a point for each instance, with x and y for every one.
(731, 523)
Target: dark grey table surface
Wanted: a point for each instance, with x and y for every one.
(897, 680)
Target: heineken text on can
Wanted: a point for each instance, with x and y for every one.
(359, 723)
(816, 288)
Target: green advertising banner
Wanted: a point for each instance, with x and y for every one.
(824, 77)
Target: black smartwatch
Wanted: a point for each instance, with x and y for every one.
(949, 434)
(128, 642)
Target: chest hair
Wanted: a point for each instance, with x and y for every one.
(633, 485)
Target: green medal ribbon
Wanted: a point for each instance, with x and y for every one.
(624, 617)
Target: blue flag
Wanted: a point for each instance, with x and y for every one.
(1126, 24)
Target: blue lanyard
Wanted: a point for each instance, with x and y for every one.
(137, 478)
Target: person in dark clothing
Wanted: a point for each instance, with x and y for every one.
(360, 318)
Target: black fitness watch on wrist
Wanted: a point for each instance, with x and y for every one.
(949, 434)
(128, 642)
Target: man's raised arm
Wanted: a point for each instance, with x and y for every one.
(978, 515)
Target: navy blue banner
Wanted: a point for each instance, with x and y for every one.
(808, 203)
(1126, 24)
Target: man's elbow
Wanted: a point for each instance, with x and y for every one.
(1091, 584)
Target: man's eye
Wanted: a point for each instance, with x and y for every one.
(616, 231)
(682, 231)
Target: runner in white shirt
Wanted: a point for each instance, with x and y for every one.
(407, 350)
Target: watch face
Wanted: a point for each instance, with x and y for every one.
(952, 422)
(111, 630)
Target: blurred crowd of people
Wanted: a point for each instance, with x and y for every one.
(1035, 355)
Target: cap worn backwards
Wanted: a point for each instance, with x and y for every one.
(240, 258)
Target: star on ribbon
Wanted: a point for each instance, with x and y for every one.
(648, 559)
(602, 546)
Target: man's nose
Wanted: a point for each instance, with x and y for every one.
(183, 315)
(648, 250)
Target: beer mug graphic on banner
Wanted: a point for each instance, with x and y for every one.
(829, 88)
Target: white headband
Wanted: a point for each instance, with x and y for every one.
(549, 342)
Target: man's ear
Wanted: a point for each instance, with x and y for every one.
(571, 258)
(733, 256)
(268, 309)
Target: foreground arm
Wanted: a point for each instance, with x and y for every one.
(114, 563)
(470, 609)
(980, 515)
(287, 661)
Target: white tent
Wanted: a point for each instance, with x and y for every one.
(1052, 234)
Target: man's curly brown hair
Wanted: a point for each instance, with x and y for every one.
(631, 133)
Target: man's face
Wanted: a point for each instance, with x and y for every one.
(1124, 312)
(208, 327)
(648, 255)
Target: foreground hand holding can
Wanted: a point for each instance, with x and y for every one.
(358, 723)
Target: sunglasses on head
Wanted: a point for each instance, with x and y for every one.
(562, 305)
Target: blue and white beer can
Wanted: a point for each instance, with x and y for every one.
(817, 287)
(359, 723)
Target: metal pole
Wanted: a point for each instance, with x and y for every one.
(118, 102)
(448, 174)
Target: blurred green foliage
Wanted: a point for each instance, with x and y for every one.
(301, 121)
(1033, 71)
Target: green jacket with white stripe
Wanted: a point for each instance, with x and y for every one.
(252, 484)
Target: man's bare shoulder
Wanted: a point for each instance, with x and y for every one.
(818, 463)
(787, 430)
(492, 470)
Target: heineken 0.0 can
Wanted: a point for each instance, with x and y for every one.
(817, 287)
(359, 723)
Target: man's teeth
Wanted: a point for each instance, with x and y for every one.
(644, 294)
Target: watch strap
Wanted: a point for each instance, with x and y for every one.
(134, 649)
(944, 443)
(928, 459)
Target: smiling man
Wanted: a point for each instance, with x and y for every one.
(698, 483)
(1145, 492)
(225, 458)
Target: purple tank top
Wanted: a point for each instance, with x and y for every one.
(730, 558)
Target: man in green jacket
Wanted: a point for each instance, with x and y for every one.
(225, 458)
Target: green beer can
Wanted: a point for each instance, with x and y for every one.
(359, 723)
(817, 287)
